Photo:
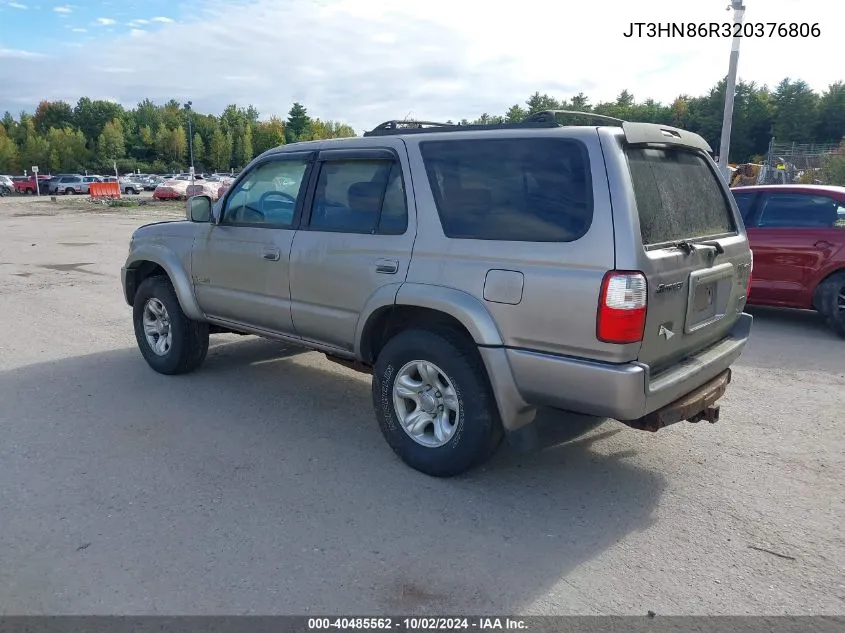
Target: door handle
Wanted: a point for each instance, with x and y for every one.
(272, 255)
(387, 265)
(823, 244)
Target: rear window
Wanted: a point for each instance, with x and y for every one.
(520, 189)
(678, 196)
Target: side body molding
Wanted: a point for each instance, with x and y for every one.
(174, 268)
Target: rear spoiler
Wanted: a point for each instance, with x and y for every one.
(656, 134)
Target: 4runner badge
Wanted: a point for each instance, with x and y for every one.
(665, 331)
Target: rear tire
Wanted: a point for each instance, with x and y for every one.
(170, 342)
(832, 302)
(459, 400)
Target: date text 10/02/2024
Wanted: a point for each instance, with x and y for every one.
(722, 29)
(420, 623)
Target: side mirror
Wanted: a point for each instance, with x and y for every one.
(199, 209)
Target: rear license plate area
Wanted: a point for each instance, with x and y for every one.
(709, 295)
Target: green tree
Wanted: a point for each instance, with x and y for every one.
(297, 123)
(9, 162)
(91, 117)
(199, 149)
(515, 114)
(177, 147)
(831, 125)
(833, 167)
(53, 114)
(35, 151)
(318, 129)
(245, 147)
(148, 114)
(220, 151)
(540, 102)
(67, 149)
(267, 135)
(111, 144)
(797, 112)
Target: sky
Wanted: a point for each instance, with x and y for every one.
(364, 62)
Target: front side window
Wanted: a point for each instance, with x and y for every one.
(512, 189)
(360, 196)
(796, 210)
(266, 195)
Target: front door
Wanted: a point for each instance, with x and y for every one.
(791, 239)
(358, 239)
(240, 266)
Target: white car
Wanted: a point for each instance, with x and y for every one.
(6, 186)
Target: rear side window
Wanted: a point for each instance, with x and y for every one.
(799, 211)
(678, 196)
(520, 189)
(360, 196)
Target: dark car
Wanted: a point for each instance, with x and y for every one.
(797, 235)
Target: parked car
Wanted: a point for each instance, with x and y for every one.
(130, 186)
(29, 184)
(7, 186)
(797, 234)
(86, 183)
(508, 280)
(67, 184)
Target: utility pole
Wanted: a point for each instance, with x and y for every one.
(190, 139)
(730, 89)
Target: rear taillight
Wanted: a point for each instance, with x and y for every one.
(622, 307)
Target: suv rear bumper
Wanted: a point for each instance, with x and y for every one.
(625, 392)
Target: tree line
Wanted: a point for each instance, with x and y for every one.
(94, 134)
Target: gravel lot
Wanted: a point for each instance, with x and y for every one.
(261, 484)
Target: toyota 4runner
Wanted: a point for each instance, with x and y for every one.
(478, 272)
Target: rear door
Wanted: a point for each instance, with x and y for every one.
(695, 255)
(357, 239)
(794, 236)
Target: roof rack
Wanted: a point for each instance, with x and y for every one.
(635, 133)
(551, 115)
(417, 127)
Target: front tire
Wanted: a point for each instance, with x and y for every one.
(832, 304)
(170, 342)
(433, 403)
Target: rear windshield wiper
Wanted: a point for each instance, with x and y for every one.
(688, 247)
(684, 245)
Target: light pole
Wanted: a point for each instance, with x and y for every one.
(730, 89)
(190, 138)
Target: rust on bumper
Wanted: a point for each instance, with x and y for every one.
(695, 406)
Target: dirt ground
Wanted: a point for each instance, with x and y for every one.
(261, 484)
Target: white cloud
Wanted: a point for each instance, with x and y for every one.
(11, 53)
(137, 32)
(444, 59)
(78, 30)
(16, 5)
(105, 21)
(138, 22)
(163, 20)
(63, 9)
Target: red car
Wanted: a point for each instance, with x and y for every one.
(27, 184)
(797, 235)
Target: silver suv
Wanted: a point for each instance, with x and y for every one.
(478, 272)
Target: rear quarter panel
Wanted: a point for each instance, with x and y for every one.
(562, 280)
